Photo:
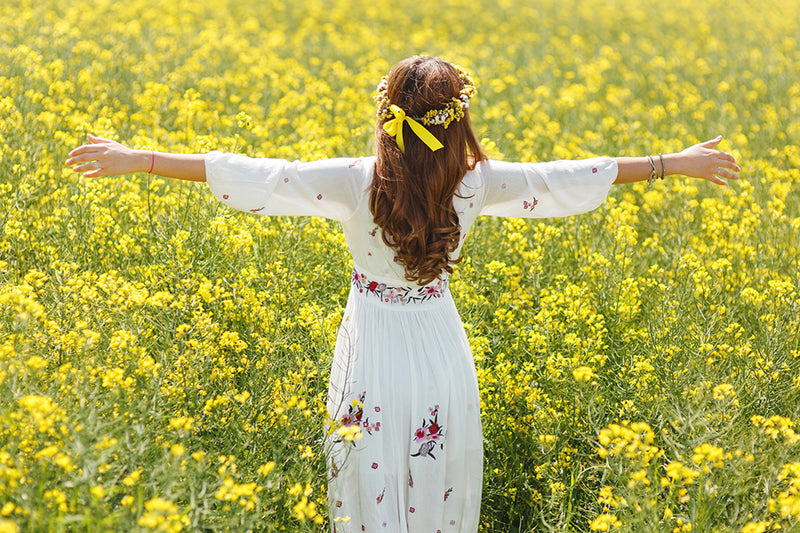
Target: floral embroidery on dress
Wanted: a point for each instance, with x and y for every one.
(447, 493)
(410, 479)
(379, 499)
(399, 295)
(429, 435)
(530, 205)
(354, 418)
(257, 210)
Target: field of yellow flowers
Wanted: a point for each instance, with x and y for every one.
(164, 360)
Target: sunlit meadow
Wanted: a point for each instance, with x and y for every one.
(164, 360)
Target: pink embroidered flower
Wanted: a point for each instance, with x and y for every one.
(503, 186)
(429, 435)
(398, 295)
(374, 466)
(379, 499)
(411, 509)
(225, 196)
(594, 171)
(286, 180)
(377, 409)
(338, 503)
(530, 205)
(452, 522)
(319, 197)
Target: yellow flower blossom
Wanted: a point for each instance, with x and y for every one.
(583, 373)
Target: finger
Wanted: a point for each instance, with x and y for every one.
(729, 165)
(94, 173)
(88, 167)
(726, 156)
(712, 143)
(85, 149)
(80, 158)
(97, 140)
(727, 175)
(717, 180)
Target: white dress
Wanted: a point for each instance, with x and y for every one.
(402, 373)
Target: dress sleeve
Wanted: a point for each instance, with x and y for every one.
(552, 189)
(329, 188)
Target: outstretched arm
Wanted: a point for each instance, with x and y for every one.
(698, 161)
(104, 157)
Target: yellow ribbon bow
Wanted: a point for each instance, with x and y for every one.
(394, 128)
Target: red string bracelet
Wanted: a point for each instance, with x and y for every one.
(152, 163)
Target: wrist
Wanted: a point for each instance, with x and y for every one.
(673, 164)
(141, 160)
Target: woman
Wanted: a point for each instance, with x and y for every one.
(405, 435)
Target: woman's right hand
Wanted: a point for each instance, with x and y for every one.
(704, 162)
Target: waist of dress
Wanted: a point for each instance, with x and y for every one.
(398, 295)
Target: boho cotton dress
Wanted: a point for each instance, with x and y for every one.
(402, 371)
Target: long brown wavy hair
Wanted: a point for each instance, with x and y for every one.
(411, 198)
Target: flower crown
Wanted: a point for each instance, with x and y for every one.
(453, 111)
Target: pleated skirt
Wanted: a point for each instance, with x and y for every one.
(404, 445)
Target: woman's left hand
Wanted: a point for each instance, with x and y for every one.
(104, 157)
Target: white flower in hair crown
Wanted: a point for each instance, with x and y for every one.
(453, 111)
